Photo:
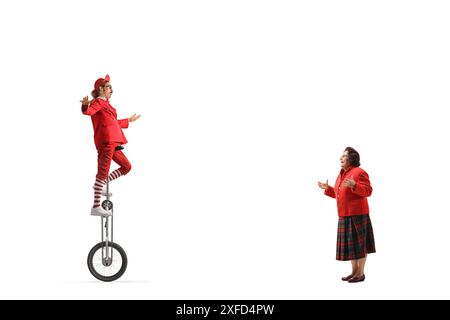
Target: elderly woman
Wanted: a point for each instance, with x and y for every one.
(355, 235)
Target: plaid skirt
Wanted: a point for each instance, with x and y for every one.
(354, 237)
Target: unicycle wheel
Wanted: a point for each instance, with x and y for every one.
(107, 269)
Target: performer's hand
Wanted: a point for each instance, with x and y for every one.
(323, 185)
(349, 182)
(85, 101)
(134, 117)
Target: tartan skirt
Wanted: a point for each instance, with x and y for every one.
(354, 237)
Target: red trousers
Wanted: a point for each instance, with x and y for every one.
(106, 153)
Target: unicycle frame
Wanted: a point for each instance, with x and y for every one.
(107, 231)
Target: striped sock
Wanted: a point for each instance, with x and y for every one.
(115, 174)
(98, 186)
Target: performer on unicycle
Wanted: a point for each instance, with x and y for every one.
(108, 137)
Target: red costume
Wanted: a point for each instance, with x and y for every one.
(108, 135)
(104, 119)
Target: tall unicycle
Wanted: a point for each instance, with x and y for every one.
(107, 261)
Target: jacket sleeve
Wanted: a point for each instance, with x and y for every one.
(123, 123)
(330, 192)
(91, 108)
(363, 187)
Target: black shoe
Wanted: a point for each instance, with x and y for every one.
(347, 277)
(357, 279)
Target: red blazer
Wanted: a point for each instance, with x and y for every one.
(351, 202)
(104, 119)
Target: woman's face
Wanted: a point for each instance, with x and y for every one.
(345, 164)
(106, 91)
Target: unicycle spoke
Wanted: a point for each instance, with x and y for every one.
(109, 271)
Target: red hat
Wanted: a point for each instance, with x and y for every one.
(101, 82)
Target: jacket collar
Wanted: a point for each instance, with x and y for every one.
(101, 99)
(343, 172)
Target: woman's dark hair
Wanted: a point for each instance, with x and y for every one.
(353, 157)
(95, 93)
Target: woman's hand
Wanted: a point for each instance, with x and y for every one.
(85, 101)
(323, 185)
(134, 117)
(350, 183)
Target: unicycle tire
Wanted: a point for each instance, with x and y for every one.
(107, 273)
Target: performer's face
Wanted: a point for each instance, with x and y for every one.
(107, 90)
(345, 164)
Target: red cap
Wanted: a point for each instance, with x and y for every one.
(101, 82)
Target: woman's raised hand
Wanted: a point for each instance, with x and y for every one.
(85, 101)
(134, 117)
(349, 183)
(323, 185)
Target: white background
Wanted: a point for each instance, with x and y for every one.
(245, 106)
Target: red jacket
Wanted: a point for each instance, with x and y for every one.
(104, 119)
(351, 202)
